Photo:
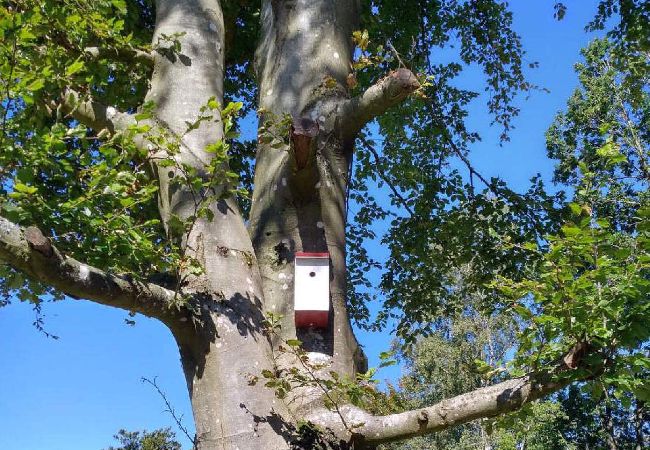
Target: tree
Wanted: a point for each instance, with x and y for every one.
(155, 440)
(122, 184)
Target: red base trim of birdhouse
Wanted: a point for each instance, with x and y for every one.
(314, 319)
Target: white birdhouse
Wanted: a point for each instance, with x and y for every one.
(312, 289)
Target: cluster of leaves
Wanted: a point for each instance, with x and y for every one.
(368, 55)
(629, 35)
(568, 275)
(273, 130)
(447, 241)
(414, 163)
(462, 355)
(592, 287)
(596, 419)
(94, 193)
(162, 439)
(601, 141)
(45, 49)
(592, 283)
(479, 32)
(450, 230)
(452, 361)
(55, 173)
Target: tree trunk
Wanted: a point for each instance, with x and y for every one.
(299, 203)
(221, 344)
(608, 427)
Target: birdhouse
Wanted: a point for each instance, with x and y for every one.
(312, 289)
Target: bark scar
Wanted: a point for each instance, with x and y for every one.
(303, 132)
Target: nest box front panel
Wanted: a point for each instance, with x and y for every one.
(312, 289)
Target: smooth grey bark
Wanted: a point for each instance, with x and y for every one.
(94, 114)
(488, 401)
(223, 343)
(300, 199)
(299, 202)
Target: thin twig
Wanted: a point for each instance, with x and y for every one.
(390, 46)
(458, 152)
(399, 196)
(170, 409)
(468, 164)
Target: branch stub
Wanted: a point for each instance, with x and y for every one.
(38, 241)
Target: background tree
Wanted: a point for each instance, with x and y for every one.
(154, 440)
(117, 151)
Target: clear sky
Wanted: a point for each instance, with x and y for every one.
(75, 393)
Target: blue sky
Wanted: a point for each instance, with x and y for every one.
(76, 392)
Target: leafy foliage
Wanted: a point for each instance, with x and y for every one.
(163, 439)
(601, 140)
(87, 192)
(571, 274)
(439, 221)
(559, 275)
(592, 287)
(92, 191)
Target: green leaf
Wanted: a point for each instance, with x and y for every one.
(24, 189)
(74, 68)
(213, 103)
(294, 342)
(120, 5)
(36, 85)
(523, 311)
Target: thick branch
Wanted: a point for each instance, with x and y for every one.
(123, 54)
(484, 402)
(32, 253)
(378, 98)
(369, 431)
(93, 114)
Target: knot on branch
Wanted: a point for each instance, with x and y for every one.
(38, 241)
(423, 418)
(303, 133)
